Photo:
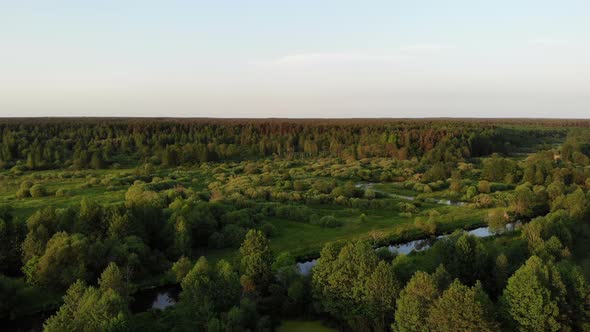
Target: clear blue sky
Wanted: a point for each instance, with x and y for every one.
(295, 58)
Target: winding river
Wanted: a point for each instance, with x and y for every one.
(416, 245)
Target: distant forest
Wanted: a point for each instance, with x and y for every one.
(98, 143)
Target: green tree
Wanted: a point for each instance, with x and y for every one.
(41, 225)
(256, 260)
(462, 308)
(64, 261)
(497, 220)
(226, 286)
(196, 299)
(340, 279)
(381, 291)
(527, 301)
(90, 309)
(414, 302)
(96, 161)
(11, 236)
(455, 181)
(181, 268)
(112, 278)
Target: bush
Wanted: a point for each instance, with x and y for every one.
(27, 184)
(269, 229)
(37, 191)
(327, 222)
(23, 193)
(427, 226)
(299, 185)
(60, 193)
(484, 186)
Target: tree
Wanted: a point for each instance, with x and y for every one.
(340, 279)
(226, 286)
(455, 181)
(90, 218)
(112, 278)
(465, 257)
(170, 156)
(462, 308)
(181, 268)
(523, 202)
(64, 261)
(196, 283)
(501, 273)
(96, 161)
(206, 291)
(11, 236)
(414, 303)
(497, 220)
(256, 260)
(90, 309)
(41, 225)
(381, 290)
(182, 236)
(575, 302)
(577, 204)
(527, 301)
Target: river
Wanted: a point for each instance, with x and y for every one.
(416, 245)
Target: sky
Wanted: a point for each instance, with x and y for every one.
(296, 59)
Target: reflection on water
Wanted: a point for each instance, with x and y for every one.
(417, 245)
(155, 298)
(163, 301)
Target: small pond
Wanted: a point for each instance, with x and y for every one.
(155, 298)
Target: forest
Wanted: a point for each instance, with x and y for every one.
(136, 224)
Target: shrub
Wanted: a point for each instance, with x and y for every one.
(327, 222)
(23, 193)
(427, 226)
(299, 185)
(37, 191)
(483, 186)
(269, 229)
(27, 184)
(60, 193)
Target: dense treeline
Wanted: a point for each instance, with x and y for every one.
(32, 145)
